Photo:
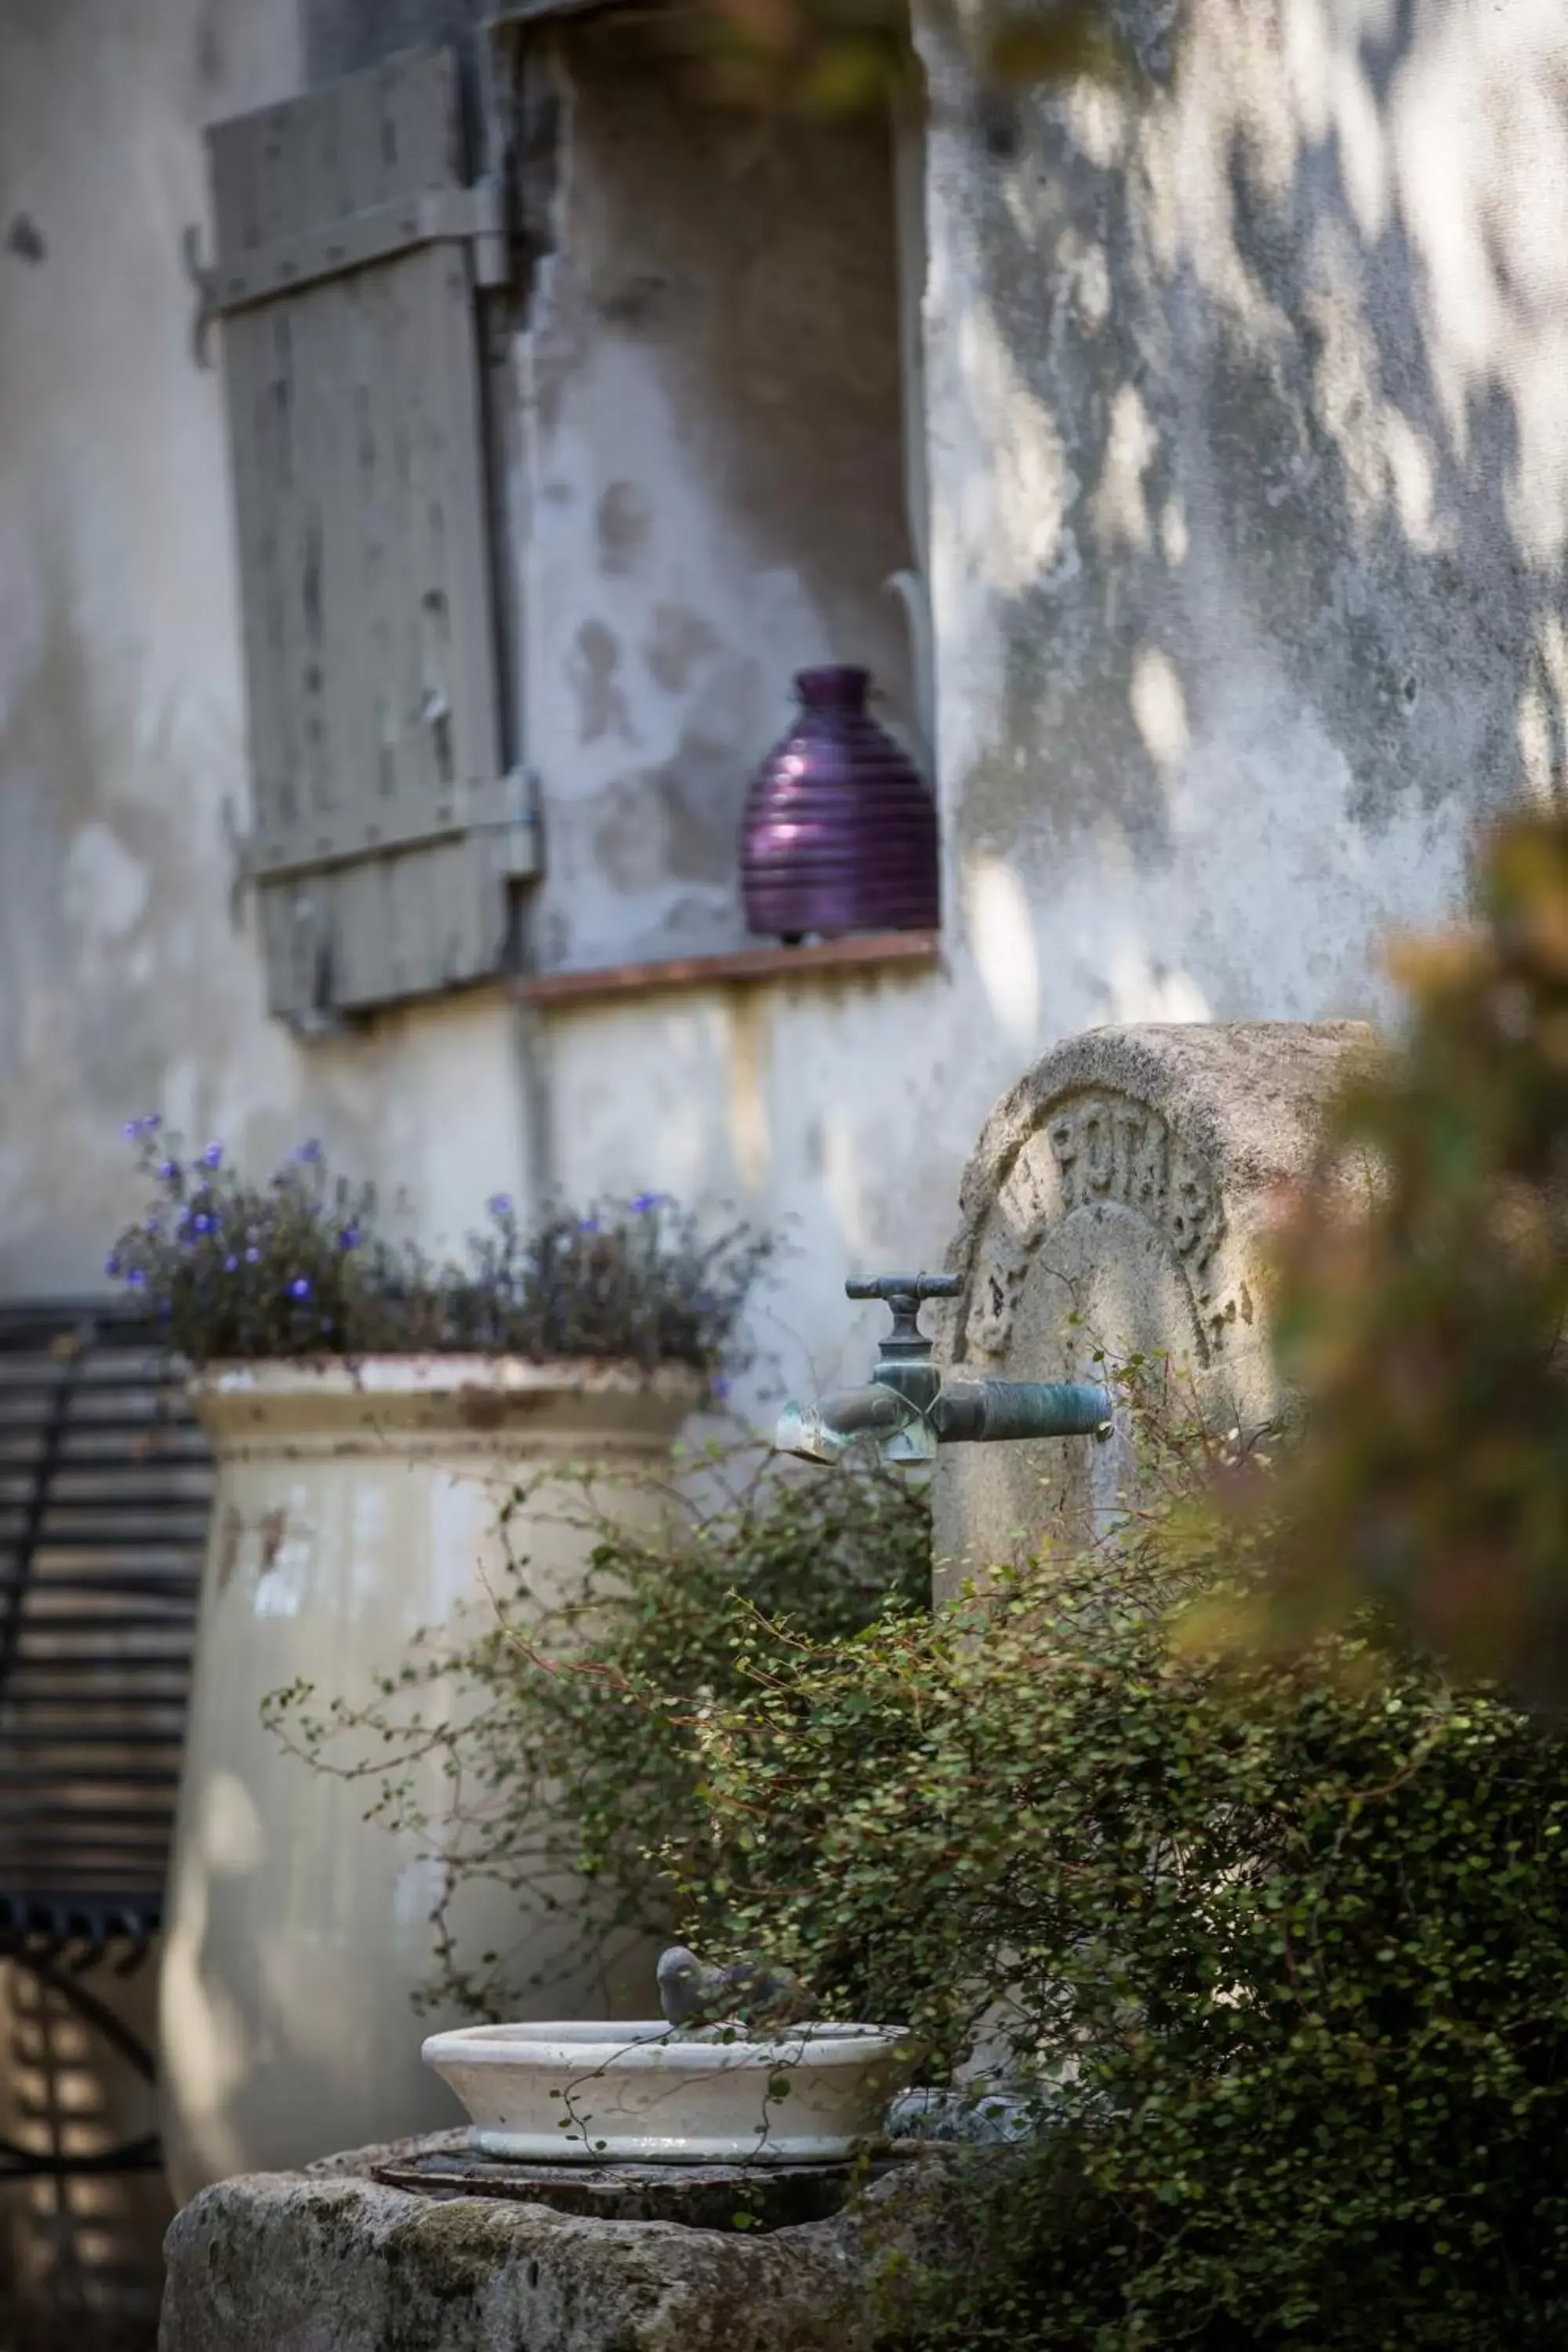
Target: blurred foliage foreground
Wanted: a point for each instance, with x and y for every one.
(1421, 1310)
(839, 57)
(1270, 1935)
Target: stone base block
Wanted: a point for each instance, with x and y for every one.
(335, 2259)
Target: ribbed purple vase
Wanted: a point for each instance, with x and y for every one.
(840, 828)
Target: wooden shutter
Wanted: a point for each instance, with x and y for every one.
(349, 248)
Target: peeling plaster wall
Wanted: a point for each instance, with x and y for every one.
(1248, 446)
(711, 390)
(129, 971)
(685, 510)
(1250, 480)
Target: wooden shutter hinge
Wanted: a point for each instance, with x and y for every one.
(508, 806)
(203, 283)
(475, 216)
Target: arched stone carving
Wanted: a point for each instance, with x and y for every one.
(1118, 1200)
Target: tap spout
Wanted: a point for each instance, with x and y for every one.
(908, 1409)
(825, 1431)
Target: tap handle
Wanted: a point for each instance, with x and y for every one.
(907, 1286)
(904, 1294)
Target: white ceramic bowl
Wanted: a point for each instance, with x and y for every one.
(606, 2094)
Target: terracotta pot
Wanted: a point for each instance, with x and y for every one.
(354, 1507)
(840, 830)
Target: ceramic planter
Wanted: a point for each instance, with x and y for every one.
(353, 1508)
(606, 2094)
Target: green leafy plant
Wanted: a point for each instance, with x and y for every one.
(301, 1265)
(574, 1745)
(1274, 1949)
(1281, 1949)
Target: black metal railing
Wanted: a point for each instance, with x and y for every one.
(105, 1486)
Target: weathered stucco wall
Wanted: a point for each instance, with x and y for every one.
(1246, 449)
(1250, 470)
(129, 971)
(689, 485)
(1248, 459)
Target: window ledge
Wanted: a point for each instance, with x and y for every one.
(737, 968)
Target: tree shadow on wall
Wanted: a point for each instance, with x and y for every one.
(1281, 315)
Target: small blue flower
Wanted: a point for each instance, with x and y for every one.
(349, 1238)
(231, 1265)
(253, 1257)
(308, 1152)
(135, 1128)
(720, 1389)
(300, 1286)
(111, 1263)
(203, 1222)
(213, 1156)
(587, 1224)
(136, 1278)
(168, 1170)
(499, 1204)
(647, 1200)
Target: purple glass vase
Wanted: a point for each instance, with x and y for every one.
(840, 829)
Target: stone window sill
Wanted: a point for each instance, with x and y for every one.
(737, 968)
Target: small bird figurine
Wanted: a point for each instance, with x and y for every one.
(692, 1993)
